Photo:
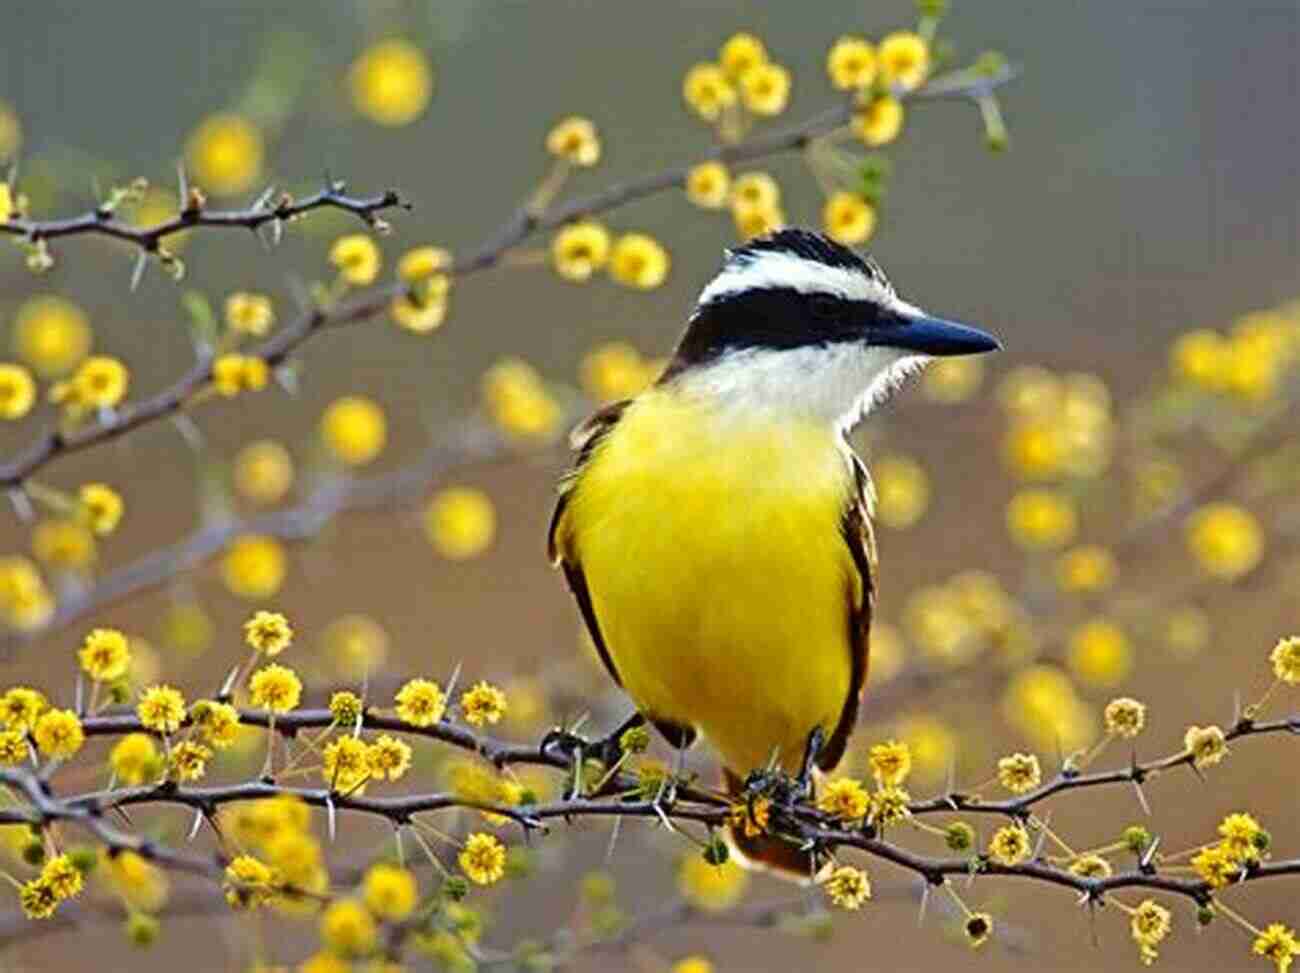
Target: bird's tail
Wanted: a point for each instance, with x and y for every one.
(766, 852)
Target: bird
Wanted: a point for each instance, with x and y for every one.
(715, 529)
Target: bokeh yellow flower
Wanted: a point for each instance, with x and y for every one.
(225, 154)
(1041, 519)
(347, 928)
(248, 313)
(708, 91)
(849, 218)
(390, 892)
(1100, 654)
(11, 131)
(952, 380)
(424, 314)
(614, 371)
(902, 490)
(254, 566)
(355, 645)
(904, 60)
(1200, 358)
(6, 202)
(17, 391)
(708, 185)
(391, 82)
(135, 760)
(580, 249)
(851, 63)
(67, 545)
(756, 221)
(879, 122)
(741, 53)
(263, 472)
(1041, 702)
(354, 429)
(51, 335)
(100, 507)
(233, 374)
(1225, 539)
(1086, 569)
(639, 261)
(712, 888)
(460, 522)
(575, 140)
(357, 259)
(100, 382)
(765, 89)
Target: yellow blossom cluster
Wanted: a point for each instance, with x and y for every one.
(581, 249)
(518, 401)
(742, 80)
(1248, 364)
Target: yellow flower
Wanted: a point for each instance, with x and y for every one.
(6, 202)
(1087, 569)
(712, 888)
(740, 53)
(902, 490)
(422, 263)
(1035, 448)
(63, 877)
(519, 402)
(347, 927)
(845, 799)
(1242, 836)
(932, 742)
(978, 927)
(345, 764)
(105, 655)
(1100, 653)
(756, 221)
(355, 429)
(65, 544)
(614, 371)
(851, 63)
(889, 806)
(356, 645)
(483, 859)
(324, 962)
(20, 706)
(1285, 659)
(707, 91)
(1009, 845)
(952, 380)
(1149, 923)
(1090, 866)
(1041, 519)
(420, 702)
(388, 758)
(1216, 866)
(580, 249)
(460, 522)
(51, 335)
(483, 703)
(1019, 772)
(189, 760)
(357, 259)
(346, 707)
(248, 882)
(847, 887)
(276, 688)
(225, 153)
(235, 373)
(756, 189)
(11, 132)
(1206, 744)
(250, 314)
(1124, 717)
(1225, 539)
(100, 506)
(890, 762)
(390, 892)
(419, 317)
(880, 121)
(637, 260)
(25, 601)
(708, 185)
(904, 60)
(693, 964)
(99, 383)
(161, 709)
(14, 749)
(218, 723)
(1201, 358)
(391, 82)
(38, 899)
(1277, 943)
(263, 471)
(849, 218)
(143, 885)
(58, 733)
(1186, 631)
(254, 566)
(17, 391)
(765, 89)
(575, 140)
(268, 632)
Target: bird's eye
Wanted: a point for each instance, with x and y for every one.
(823, 306)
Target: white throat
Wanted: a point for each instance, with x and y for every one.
(838, 384)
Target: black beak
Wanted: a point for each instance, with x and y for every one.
(934, 336)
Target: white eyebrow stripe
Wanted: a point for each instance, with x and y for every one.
(775, 269)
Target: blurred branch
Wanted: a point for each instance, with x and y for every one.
(101, 220)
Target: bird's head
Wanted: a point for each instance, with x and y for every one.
(796, 323)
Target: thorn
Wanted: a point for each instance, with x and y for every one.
(195, 824)
(228, 683)
(79, 692)
(277, 232)
(22, 504)
(1149, 855)
(189, 431)
(613, 839)
(925, 903)
(1236, 706)
(286, 376)
(263, 201)
(1042, 837)
(397, 840)
(182, 183)
(301, 295)
(451, 683)
(1142, 798)
(331, 816)
(137, 272)
(1191, 765)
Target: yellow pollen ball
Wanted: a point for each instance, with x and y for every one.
(902, 490)
(1041, 519)
(879, 122)
(391, 82)
(708, 91)
(354, 429)
(17, 391)
(1100, 654)
(357, 259)
(639, 261)
(51, 335)
(851, 63)
(849, 218)
(765, 89)
(225, 154)
(904, 60)
(460, 522)
(741, 53)
(580, 249)
(575, 140)
(263, 472)
(1225, 539)
(254, 567)
(708, 185)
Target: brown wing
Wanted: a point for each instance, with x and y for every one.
(585, 439)
(856, 527)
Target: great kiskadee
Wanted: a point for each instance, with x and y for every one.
(715, 529)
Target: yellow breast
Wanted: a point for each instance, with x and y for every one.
(718, 572)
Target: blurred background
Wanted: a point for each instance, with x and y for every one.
(1150, 188)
